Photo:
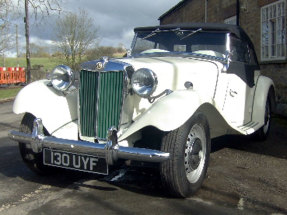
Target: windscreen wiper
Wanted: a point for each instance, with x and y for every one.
(191, 33)
(152, 33)
(174, 30)
(158, 31)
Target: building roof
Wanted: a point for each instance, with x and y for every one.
(176, 7)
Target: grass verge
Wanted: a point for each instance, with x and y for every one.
(9, 92)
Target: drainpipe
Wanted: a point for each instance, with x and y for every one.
(205, 11)
(237, 12)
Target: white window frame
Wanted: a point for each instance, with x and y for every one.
(273, 31)
(231, 20)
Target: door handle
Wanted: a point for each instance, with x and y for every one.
(232, 93)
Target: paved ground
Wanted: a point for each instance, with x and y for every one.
(244, 177)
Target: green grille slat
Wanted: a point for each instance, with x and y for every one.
(101, 96)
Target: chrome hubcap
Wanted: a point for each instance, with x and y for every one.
(194, 154)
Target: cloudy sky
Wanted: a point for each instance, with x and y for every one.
(115, 19)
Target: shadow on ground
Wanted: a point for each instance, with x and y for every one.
(275, 145)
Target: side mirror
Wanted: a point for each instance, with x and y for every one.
(129, 52)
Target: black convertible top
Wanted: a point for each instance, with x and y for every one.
(217, 27)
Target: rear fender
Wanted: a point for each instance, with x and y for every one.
(264, 88)
(53, 107)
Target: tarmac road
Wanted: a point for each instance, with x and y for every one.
(244, 177)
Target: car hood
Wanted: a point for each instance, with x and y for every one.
(173, 72)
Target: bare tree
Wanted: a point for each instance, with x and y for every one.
(39, 51)
(5, 6)
(39, 6)
(76, 32)
(6, 39)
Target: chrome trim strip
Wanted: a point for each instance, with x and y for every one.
(207, 57)
(78, 107)
(134, 40)
(125, 91)
(97, 105)
(111, 150)
(112, 65)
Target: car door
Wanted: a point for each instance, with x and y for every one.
(241, 76)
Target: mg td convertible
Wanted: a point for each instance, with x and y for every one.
(178, 87)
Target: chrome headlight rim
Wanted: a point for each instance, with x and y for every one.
(61, 84)
(149, 90)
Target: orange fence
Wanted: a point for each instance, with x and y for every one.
(12, 75)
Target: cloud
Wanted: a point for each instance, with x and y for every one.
(114, 19)
(42, 42)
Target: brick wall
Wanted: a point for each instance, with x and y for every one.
(250, 21)
(191, 11)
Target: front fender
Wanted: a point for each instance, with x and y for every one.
(53, 107)
(169, 112)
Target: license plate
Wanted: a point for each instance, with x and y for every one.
(81, 162)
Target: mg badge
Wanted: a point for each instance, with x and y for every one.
(99, 65)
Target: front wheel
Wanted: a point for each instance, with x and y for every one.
(189, 148)
(33, 160)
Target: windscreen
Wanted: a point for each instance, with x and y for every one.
(179, 41)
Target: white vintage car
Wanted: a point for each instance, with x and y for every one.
(180, 86)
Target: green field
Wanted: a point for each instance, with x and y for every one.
(9, 92)
(48, 63)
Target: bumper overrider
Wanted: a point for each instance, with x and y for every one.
(110, 151)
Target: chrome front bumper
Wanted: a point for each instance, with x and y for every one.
(110, 150)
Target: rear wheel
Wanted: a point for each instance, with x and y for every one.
(189, 148)
(263, 132)
(33, 160)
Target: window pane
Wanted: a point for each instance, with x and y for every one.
(265, 35)
(273, 30)
(280, 50)
(179, 48)
(239, 50)
(282, 8)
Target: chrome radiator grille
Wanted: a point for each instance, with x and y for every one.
(101, 97)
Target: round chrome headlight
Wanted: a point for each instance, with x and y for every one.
(62, 77)
(144, 82)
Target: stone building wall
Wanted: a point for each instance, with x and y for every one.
(250, 21)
